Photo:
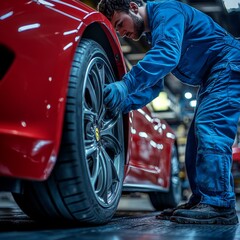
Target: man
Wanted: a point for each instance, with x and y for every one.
(190, 45)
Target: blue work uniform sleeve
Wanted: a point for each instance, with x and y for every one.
(167, 34)
(141, 98)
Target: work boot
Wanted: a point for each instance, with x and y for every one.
(206, 214)
(167, 213)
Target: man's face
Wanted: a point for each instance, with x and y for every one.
(128, 25)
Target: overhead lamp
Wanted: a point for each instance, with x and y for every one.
(188, 95)
(193, 103)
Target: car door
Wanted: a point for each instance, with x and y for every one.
(146, 146)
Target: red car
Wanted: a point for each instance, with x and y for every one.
(61, 155)
(236, 167)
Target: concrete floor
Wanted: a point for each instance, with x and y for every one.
(134, 220)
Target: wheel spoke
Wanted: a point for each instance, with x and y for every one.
(90, 147)
(109, 174)
(95, 169)
(102, 73)
(89, 114)
(112, 143)
(103, 76)
(109, 123)
(96, 80)
(89, 139)
(107, 181)
(90, 95)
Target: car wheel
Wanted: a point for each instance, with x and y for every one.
(86, 183)
(170, 199)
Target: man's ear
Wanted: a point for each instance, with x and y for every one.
(133, 7)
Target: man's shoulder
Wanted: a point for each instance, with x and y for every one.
(165, 7)
(165, 3)
(161, 5)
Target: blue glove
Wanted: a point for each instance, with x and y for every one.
(114, 94)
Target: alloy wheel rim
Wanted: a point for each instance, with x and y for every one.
(102, 141)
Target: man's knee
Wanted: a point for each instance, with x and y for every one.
(209, 140)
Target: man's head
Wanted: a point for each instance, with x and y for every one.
(124, 16)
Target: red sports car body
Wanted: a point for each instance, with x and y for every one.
(40, 37)
(236, 167)
(61, 156)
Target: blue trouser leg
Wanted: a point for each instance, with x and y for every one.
(215, 128)
(190, 161)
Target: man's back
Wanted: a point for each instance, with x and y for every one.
(200, 40)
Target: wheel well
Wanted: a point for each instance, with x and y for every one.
(96, 33)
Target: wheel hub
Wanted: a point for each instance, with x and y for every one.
(97, 134)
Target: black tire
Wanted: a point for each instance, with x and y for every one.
(86, 183)
(170, 199)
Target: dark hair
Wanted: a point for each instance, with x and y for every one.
(107, 7)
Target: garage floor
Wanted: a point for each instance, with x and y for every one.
(134, 220)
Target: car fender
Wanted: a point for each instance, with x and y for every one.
(32, 103)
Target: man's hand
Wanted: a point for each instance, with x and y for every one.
(114, 95)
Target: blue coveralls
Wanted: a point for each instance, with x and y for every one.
(190, 45)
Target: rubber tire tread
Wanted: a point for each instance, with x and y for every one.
(67, 194)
